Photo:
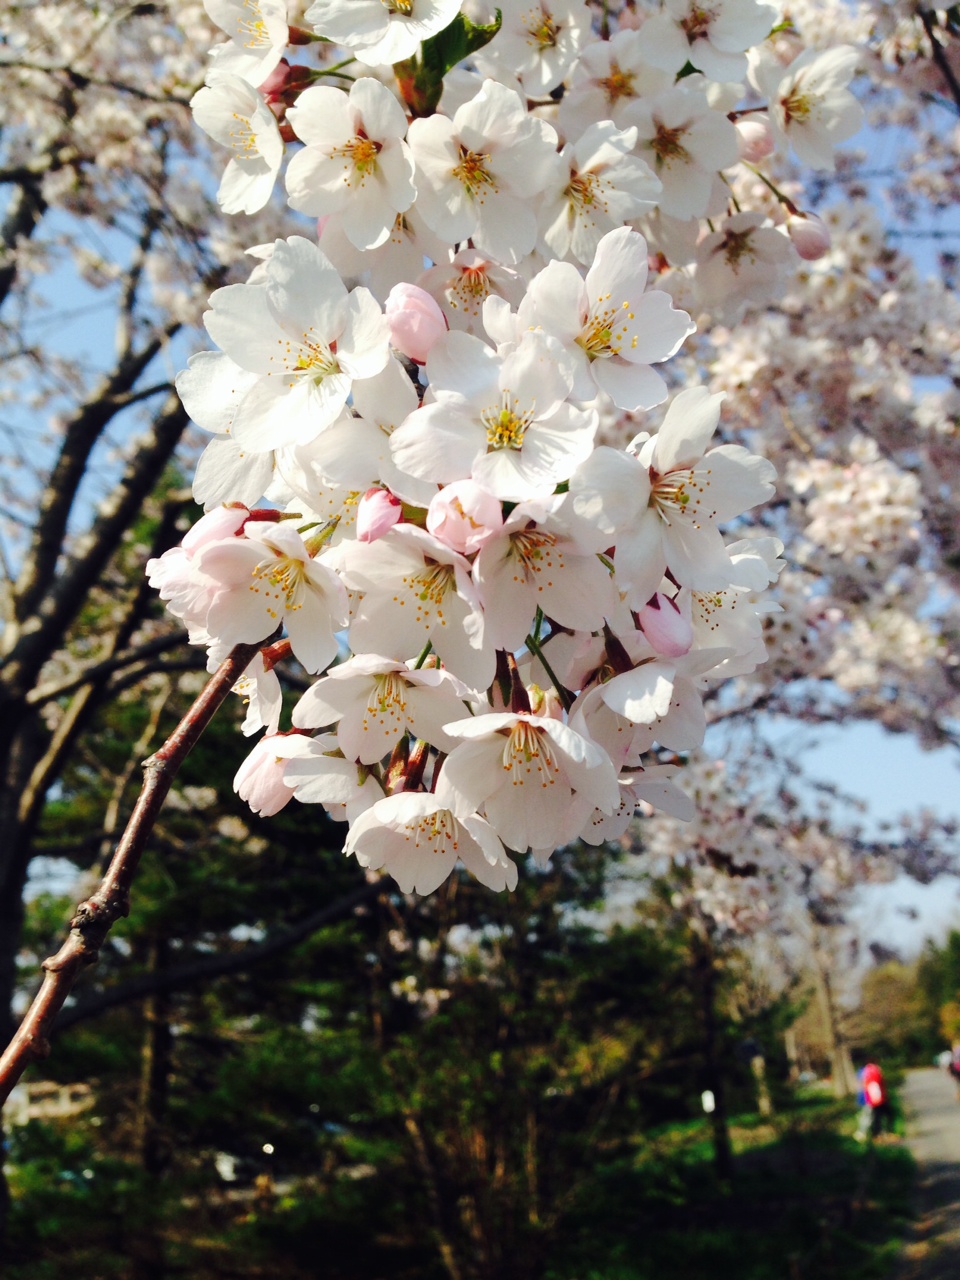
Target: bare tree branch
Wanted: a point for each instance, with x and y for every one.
(97, 914)
(130, 657)
(58, 603)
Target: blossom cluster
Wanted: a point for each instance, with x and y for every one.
(513, 624)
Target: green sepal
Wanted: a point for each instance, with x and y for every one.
(421, 79)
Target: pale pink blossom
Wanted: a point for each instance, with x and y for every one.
(665, 626)
(378, 511)
(259, 779)
(464, 516)
(810, 235)
(419, 841)
(416, 321)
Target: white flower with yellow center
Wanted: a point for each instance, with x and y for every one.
(478, 174)
(462, 285)
(692, 491)
(416, 590)
(713, 35)
(686, 143)
(374, 701)
(741, 264)
(524, 772)
(419, 842)
(306, 338)
(232, 112)
(538, 42)
(268, 579)
(530, 564)
(608, 76)
(258, 36)
(355, 162)
(502, 421)
(380, 32)
(811, 107)
(598, 187)
(611, 329)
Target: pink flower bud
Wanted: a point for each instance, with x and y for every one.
(377, 512)
(755, 140)
(665, 627)
(810, 236)
(464, 516)
(277, 81)
(415, 319)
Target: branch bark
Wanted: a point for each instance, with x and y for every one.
(97, 914)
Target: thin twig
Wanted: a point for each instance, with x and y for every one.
(939, 54)
(97, 915)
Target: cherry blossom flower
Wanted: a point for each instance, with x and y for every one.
(811, 107)
(419, 841)
(477, 173)
(416, 321)
(355, 162)
(232, 112)
(538, 42)
(741, 264)
(305, 336)
(612, 330)
(319, 774)
(176, 575)
(415, 591)
(374, 701)
(598, 187)
(462, 286)
(608, 76)
(504, 422)
(464, 516)
(686, 142)
(268, 578)
(524, 771)
(713, 37)
(258, 36)
(259, 780)
(376, 32)
(691, 491)
(526, 566)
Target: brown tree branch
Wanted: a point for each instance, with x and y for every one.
(40, 634)
(929, 20)
(97, 670)
(97, 914)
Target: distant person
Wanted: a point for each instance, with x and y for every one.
(876, 1102)
(954, 1065)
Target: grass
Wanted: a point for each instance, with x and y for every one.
(808, 1203)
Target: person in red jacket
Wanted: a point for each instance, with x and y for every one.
(875, 1097)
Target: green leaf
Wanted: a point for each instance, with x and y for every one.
(421, 79)
(456, 42)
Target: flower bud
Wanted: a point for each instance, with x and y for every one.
(810, 236)
(415, 319)
(276, 83)
(378, 511)
(755, 140)
(665, 627)
(464, 516)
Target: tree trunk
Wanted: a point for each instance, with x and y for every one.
(705, 976)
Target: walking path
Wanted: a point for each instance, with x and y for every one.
(933, 1133)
